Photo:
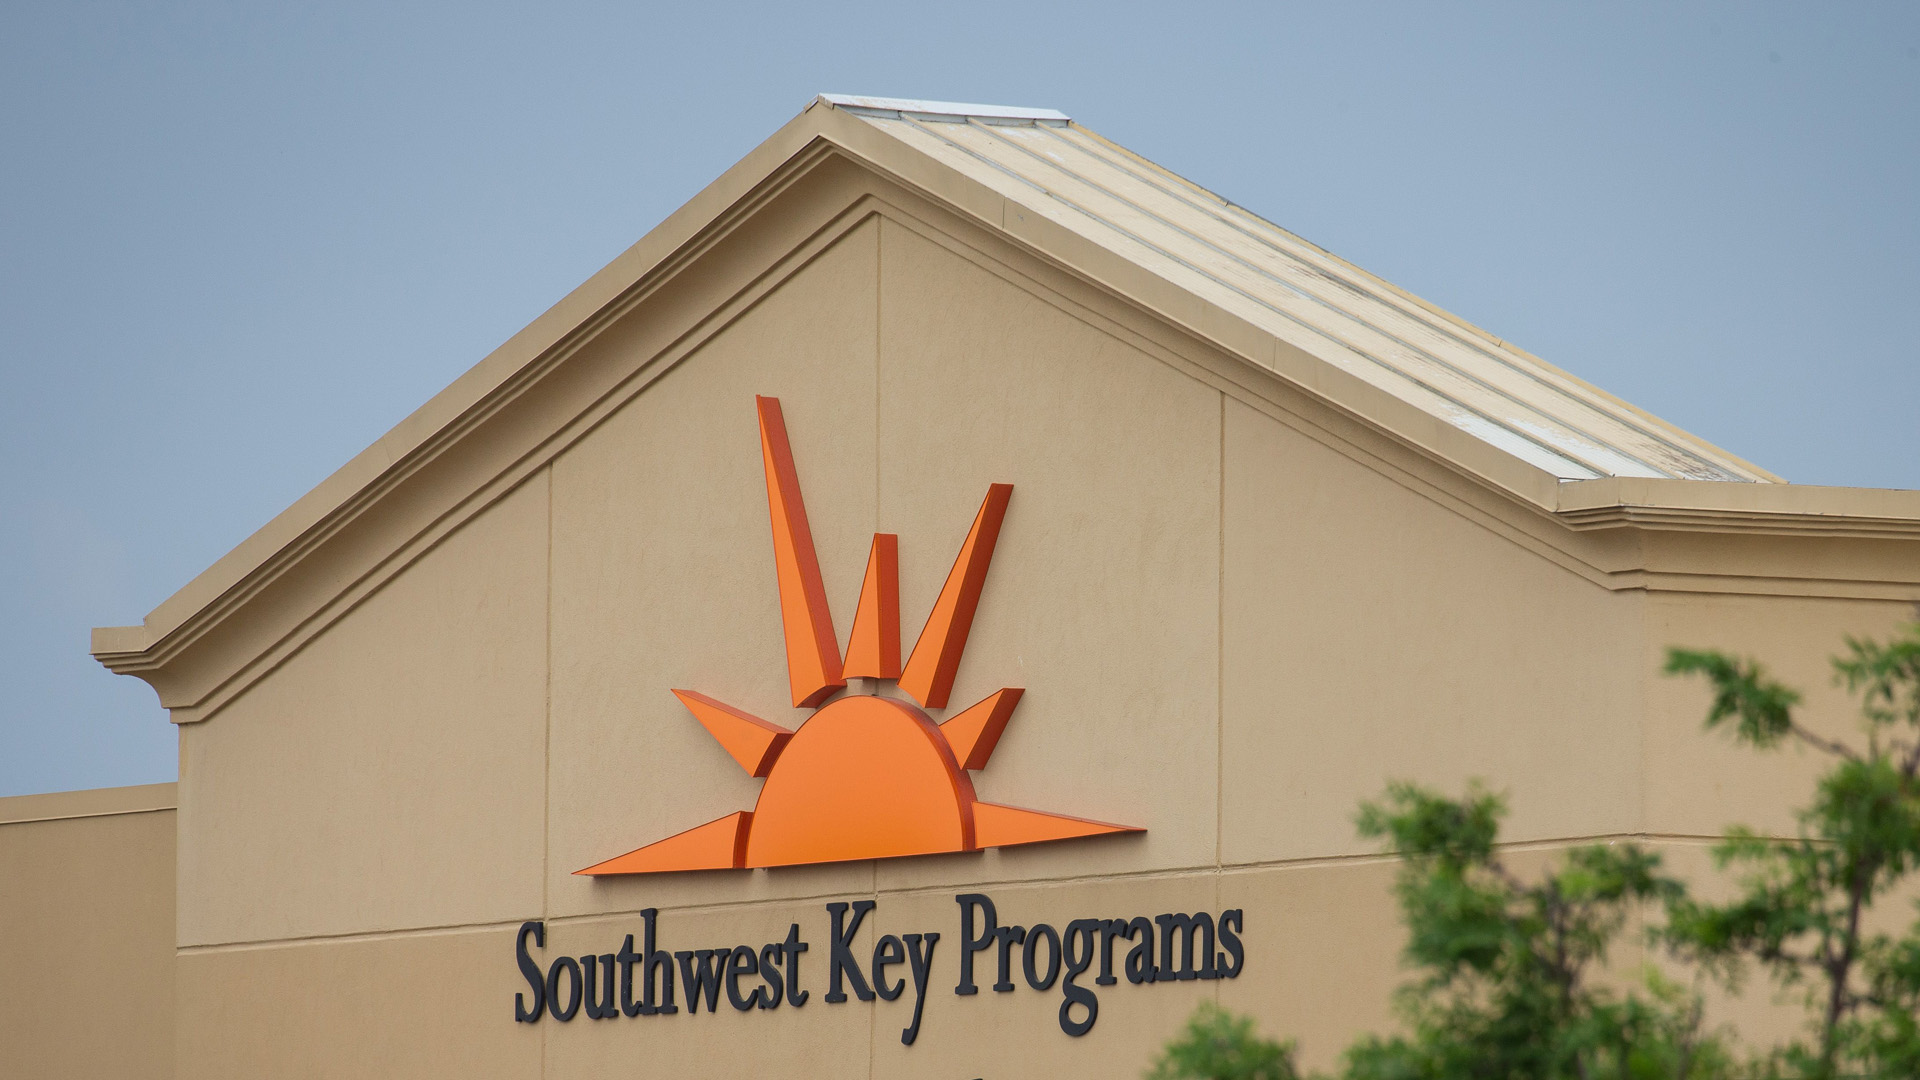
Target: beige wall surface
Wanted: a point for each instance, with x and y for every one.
(1235, 614)
(392, 774)
(423, 1006)
(1700, 782)
(86, 934)
(1372, 633)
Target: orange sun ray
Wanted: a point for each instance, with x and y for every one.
(1001, 826)
(873, 652)
(717, 845)
(813, 650)
(975, 732)
(936, 655)
(753, 742)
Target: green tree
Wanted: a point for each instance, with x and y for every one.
(1505, 986)
(1506, 983)
(1803, 904)
(1217, 1045)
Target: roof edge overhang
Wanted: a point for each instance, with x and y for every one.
(1582, 505)
(1776, 509)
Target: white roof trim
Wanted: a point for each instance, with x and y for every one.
(943, 109)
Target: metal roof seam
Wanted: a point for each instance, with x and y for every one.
(1517, 365)
(1740, 467)
(1597, 442)
(1582, 469)
(1563, 453)
(1443, 321)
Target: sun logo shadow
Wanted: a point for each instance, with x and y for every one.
(865, 776)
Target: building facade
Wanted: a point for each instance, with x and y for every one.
(952, 583)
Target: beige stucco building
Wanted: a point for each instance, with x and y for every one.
(1280, 532)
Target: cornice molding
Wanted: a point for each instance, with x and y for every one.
(1755, 509)
(1761, 522)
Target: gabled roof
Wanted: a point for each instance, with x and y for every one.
(1226, 276)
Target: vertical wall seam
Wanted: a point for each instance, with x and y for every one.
(879, 277)
(1644, 728)
(1220, 657)
(873, 1032)
(546, 770)
(873, 1012)
(546, 763)
(1220, 675)
(879, 246)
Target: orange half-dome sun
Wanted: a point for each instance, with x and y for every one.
(865, 777)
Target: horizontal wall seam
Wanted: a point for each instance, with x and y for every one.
(349, 938)
(95, 814)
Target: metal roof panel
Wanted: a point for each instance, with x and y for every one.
(1299, 293)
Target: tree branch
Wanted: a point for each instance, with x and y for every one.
(1831, 746)
(1841, 968)
(1911, 763)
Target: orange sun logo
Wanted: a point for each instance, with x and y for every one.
(865, 776)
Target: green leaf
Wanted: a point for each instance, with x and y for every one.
(1217, 1045)
(1740, 689)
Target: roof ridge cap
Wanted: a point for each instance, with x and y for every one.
(940, 110)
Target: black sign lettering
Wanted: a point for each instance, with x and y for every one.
(887, 952)
(1140, 967)
(1230, 940)
(840, 959)
(626, 958)
(971, 943)
(793, 947)
(598, 974)
(921, 963)
(741, 962)
(522, 1012)
(656, 960)
(1041, 932)
(701, 975)
(1007, 937)
(1109, 929)
(1078, 945)
(770, 972)
(1188, 927)
(572, 968)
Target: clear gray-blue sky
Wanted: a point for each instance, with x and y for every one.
(239, 242)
